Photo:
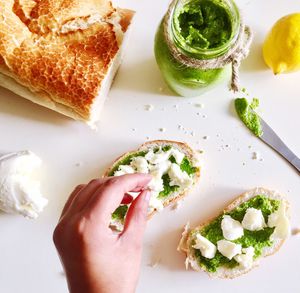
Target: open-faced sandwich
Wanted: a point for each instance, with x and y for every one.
(62, 54)
(173, 165)
(255, 225)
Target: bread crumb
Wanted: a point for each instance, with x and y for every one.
(255, 156)
(155, 262)
(201, 151)
(160, 89)
(176, 206)
(296, 232)
(199, 105)
(149, 108)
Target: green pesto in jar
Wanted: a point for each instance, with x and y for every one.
(257, 239)
(200, 29)
(204, 24)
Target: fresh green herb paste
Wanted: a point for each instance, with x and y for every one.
(246, 113)
(205, 24)
(257, 239)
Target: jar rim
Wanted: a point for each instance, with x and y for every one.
(205, 53)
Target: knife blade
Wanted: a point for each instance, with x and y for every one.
(275, 142)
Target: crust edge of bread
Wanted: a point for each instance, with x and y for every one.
(225, 273)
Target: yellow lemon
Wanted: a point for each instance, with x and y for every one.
(281, 49)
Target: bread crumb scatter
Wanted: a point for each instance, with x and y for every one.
(149, 108)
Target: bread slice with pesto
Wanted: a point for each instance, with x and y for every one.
(253, 226)
(174, 167)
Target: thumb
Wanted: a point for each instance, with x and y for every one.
(136, 218)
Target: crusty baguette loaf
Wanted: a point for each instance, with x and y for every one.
(223, 272)
(183, 147)
(62, 54)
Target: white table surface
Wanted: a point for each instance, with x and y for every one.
(29, 263)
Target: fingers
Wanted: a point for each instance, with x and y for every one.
(85, 195)
(109, 196)
(80, 196)
(136, 218)
(71, 198)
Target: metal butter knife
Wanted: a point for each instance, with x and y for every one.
(274, 141)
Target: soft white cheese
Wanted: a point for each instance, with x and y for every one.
(280, 221)
(229, 249)
(157, 183)
(123, 170)
(140, 164)
(245, 259)
(158, 164)
(155, 203)
(231, 228)
(178, 177)
(160, 169)
(207, 248)
(158, 157)
(19, 192)
(178, 155)
(253, 220)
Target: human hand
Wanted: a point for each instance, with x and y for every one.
(95, 258)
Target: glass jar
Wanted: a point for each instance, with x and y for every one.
(183, 79)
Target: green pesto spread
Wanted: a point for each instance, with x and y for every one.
(205, 24)
(257, 239)
(120, 213)
(186, 166)
(245, 111)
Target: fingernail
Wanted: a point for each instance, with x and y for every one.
(147, 195)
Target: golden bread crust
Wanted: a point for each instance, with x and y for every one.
(61, 48)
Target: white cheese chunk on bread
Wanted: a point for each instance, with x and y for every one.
(254, 226)
(62, 54)
(173, 165)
